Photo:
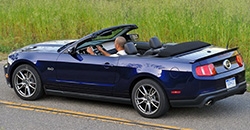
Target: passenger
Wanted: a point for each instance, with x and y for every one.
(119, 46)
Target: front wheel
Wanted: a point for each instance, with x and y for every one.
(27, 83)
(149, 99)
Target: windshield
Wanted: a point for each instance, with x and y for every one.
(108, 35)
(104, 35)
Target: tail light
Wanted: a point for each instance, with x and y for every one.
(239, 60)
(206, 70)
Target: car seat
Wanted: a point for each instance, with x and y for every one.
(130, 48)
(155, 45)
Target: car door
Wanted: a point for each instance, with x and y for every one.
(87, 73)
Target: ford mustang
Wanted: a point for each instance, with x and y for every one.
(153, 76)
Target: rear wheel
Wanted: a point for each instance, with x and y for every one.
(149, 99)
(27, 83)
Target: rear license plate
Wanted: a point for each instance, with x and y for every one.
(230, 83)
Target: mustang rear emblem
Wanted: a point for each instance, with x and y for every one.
(227, 64)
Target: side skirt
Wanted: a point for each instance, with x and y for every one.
(89, 96)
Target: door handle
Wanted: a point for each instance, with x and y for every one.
(107, 65)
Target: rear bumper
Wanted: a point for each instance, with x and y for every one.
(210, 98)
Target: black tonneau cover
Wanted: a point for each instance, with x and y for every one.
(181, 48)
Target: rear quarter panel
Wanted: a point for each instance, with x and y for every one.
(170, 73)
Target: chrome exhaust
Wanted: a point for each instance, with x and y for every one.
(209, 103)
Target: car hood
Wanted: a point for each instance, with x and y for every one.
(49, 46)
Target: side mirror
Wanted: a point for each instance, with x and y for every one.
(133, 37)
(72, 52)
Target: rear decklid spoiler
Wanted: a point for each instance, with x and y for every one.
(214, 54)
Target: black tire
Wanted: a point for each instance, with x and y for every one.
(27, 83)
(149, 99)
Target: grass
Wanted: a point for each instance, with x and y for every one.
(219, 22)
(3, 56)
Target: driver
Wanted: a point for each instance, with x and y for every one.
(119, 46)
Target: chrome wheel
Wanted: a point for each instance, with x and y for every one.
(27, 83)
(147, 99)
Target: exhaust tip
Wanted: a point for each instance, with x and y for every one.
(209, 103)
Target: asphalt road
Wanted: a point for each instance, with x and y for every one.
(59, 113)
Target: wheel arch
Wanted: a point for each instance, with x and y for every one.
(18, 63)
(146, 76)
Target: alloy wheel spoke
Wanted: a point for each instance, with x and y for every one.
(21, 76)
(30, 86)
(140, 100)
(20, 85)
(29, 75)
(155, 103)
(149, 107)
(27, 90)
(152, 92)
(144, 89)
(141, 92)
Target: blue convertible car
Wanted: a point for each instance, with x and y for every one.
(153, 76)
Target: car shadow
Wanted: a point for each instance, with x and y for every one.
(222, 108)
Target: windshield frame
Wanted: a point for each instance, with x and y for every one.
(99, 37)
(92, 39)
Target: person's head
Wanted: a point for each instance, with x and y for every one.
(119, 43)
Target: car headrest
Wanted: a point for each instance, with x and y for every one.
(155, 43)
(130, 48)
